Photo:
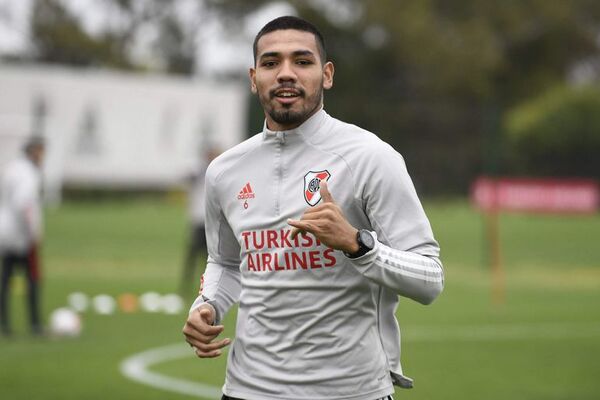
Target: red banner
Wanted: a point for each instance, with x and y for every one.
(536, 195)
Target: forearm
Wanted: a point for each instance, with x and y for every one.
(221, 288)
(408, 273)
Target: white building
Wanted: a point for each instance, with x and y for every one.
(116, 130)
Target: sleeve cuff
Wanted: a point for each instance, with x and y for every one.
(366, 259)
(200, 300)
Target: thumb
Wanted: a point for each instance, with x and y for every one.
(206, 314)
(325, 194)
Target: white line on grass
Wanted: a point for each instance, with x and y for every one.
(136, 367)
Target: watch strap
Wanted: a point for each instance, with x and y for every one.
(362, 247)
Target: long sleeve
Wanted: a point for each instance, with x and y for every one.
(21, 220)
(406, 256)
(221, 281)
(409, 274)
(29, 208)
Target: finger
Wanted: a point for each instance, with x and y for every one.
(325, 194)
(302, 226)
(212, 354)
(207, 330)
(323, 213)
(216, 345)
(315, 209)
(210, 350)
(206, 314)
(208, 347)
(295, 231)
(318, 207)
(194, 336)
(193, 327)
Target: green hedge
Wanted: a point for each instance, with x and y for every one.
(557, 134)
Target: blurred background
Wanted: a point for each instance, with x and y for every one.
(130, 94)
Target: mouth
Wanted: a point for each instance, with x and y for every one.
(286, 95)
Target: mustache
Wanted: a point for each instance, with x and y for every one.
(285, 85)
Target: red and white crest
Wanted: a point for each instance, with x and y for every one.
(312, 185)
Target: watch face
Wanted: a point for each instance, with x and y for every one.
(367, 239)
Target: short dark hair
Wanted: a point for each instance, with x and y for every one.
(34, 142)
(291, 22)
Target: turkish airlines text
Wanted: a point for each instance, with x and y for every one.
(274, 250)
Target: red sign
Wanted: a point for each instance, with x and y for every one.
(537, 195)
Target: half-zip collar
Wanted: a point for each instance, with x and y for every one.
(306, 129)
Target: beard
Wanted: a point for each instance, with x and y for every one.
(285, 115)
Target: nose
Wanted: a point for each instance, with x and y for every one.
(286, 72)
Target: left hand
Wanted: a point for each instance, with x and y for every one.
(328, 223)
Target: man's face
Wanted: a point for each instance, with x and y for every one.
(37, 155)
(289, 77)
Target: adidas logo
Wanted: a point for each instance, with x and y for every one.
(246, 192)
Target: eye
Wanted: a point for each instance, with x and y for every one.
(304, 62)
(269, 63)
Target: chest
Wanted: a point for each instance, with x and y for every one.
(281, 182)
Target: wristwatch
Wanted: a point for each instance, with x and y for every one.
(365, 241)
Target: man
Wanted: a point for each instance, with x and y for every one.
(196, 206)
(21, 229)
(315, 228)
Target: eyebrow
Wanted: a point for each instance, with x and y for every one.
(295, 54)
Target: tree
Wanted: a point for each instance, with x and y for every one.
(438, 76)
(557, 133)
(432, 77)
(469, 62)
(58, 37)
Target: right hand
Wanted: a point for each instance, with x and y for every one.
(200, 333)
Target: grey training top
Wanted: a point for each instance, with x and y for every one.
(312, 323)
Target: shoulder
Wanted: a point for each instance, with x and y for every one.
(21, 168)
(355, 144)
(231, 157)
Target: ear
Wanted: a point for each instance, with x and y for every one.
(328, 71)
(252, 75)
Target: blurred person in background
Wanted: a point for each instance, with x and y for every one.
(21, 224)
(196, 245)
(314, 228)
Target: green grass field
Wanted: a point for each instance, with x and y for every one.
(542, 343)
